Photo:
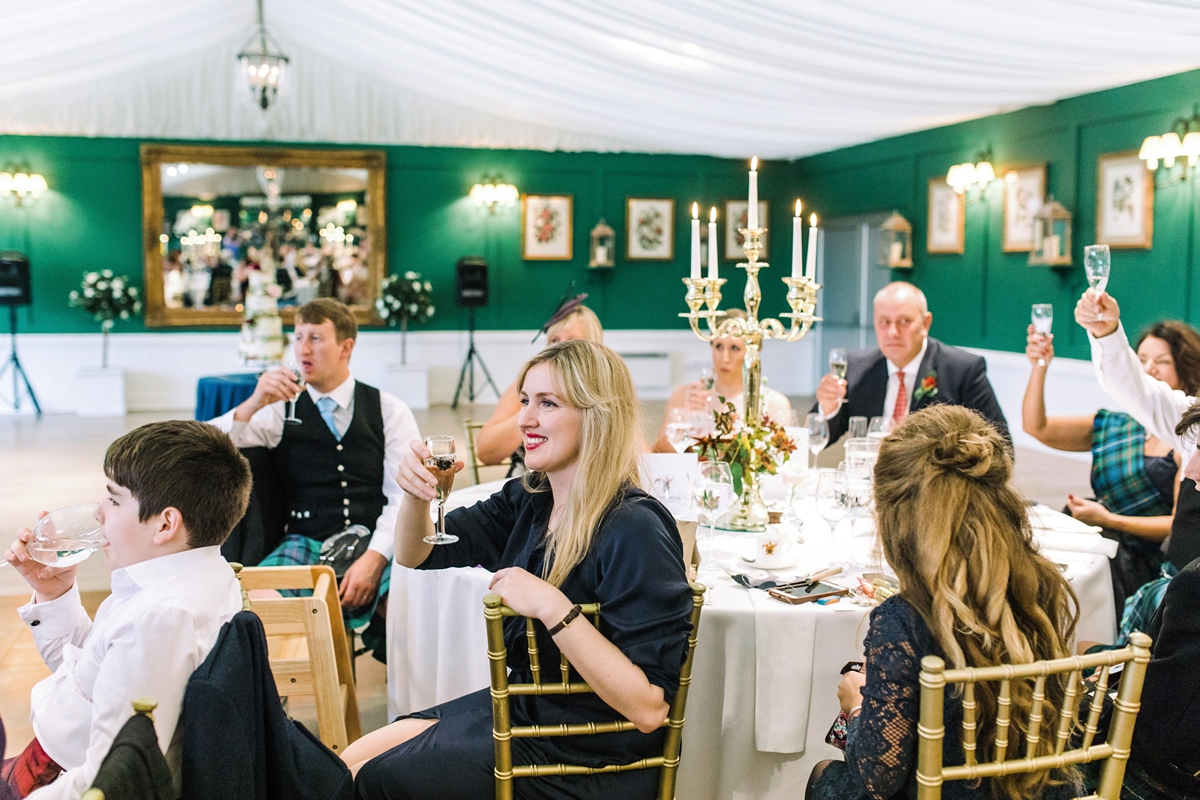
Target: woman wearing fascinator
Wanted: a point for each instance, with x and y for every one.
(500, 438)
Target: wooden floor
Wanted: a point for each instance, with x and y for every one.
(56, 461)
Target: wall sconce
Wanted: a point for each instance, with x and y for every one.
(1183, 140)
(603, 245)
(19, 182)
(494, 194)
(962, 177)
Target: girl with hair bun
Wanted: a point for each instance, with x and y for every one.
(974, 591)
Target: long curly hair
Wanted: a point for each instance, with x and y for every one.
(960, 542)
(1184, 343)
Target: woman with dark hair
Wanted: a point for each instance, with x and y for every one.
(1135, 476)
(974, 591)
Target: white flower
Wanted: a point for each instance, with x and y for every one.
(74, 295)
(124, 315)
(410, 276)
(413, 308)
(133, 292)
(92, 277)
(102, 286)
(429, 311)
(118, 285)
(428, 286)
(88, 293)
(137, 307)
(107, 273)
(416, 286)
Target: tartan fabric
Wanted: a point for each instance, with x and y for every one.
(1140, 608)
(30, 770)
(302, 551)
(1119, 478)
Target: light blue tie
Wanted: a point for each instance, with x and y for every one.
(326, 405)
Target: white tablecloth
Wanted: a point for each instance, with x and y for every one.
(764, 680)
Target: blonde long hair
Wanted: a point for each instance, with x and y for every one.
(592, 379)
(959, 539)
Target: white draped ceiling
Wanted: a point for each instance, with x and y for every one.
(777, 78)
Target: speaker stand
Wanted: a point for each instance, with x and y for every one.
(467, 375)
(18, 373)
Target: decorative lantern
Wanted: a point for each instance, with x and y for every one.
(1051, 235)
(897, 242)
(604, 245)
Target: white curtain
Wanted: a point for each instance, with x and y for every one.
(776, 78)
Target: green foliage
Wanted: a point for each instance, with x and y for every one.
(745, 449)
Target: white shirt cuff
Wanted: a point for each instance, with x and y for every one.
(54, 619)
(384, 544)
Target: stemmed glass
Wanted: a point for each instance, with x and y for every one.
(832, 501)
(837, 365)
(66, 537)
(1096, 262)
(441, 463)
(818, 434)
(1043, 319)
(713, 494)
(879, 428)
(291, 363)
(679, 429)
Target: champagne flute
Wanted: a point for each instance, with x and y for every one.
(818, 434)
(679, 429)
(713, 495)
(291, 363)
(1043, 321)
(441, 463)
(837, 366)
(66, 537)
(1096, 263)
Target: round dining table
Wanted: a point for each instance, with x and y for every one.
(765, 675)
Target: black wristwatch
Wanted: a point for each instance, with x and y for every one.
(575, 611)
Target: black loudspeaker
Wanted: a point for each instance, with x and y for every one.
(15, 288)
(471, 287)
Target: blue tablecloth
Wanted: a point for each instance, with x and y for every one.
(216, 394)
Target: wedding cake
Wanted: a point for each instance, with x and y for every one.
(263, 342)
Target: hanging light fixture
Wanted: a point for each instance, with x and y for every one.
(263, 64)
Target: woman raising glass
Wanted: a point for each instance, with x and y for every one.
(576, 529)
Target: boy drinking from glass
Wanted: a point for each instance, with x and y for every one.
(175, 491)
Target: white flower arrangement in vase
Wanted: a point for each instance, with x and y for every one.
(405, 298)
(107, 298)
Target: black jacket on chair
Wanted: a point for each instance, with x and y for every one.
(262, 527)
(960, 377)
(237, 742)
(135, 769)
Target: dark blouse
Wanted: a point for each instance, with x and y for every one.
(634, 570)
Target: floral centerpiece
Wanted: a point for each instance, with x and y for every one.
(405, 298)
(749, 451)
(107, 298)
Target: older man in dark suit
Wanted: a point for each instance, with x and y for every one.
(907, 371)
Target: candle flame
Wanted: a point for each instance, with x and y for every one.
(813, 220)
(799, 205)
(712, 214)
(754, 164)
(695, 211)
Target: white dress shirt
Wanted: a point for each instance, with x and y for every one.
(910, 380)
(265, 429)
(1151, 402)
(158, 625)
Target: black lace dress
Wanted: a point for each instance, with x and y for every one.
(881, 746)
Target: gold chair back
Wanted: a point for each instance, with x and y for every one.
(503, 731)
(1115, 751)
(470, 431)
(307, 645)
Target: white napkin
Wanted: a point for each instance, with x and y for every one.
(1056, 531)
(785, 641)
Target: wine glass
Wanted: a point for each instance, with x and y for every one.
(713, 495)
(291, 363)
(879, 428)
(441, 463)
(679, 429)
(66, 537)
(706, 379)
(857, 427)
(818, 434)
(1096, 262)
(837, 366)
(832, 500)
(1043, 321)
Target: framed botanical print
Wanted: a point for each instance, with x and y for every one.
(736, 213)
(1124, 201)
(546, 227)
(1024, 192)
(649, 228)
(946, 213)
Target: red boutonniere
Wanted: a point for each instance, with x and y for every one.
(928, 387)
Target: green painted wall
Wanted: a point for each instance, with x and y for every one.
(982, 298)
(91, 219)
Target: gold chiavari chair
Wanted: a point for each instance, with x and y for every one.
(503, 731)
(470, 431)
(1115, 750)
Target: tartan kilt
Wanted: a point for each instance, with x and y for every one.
(297, 550)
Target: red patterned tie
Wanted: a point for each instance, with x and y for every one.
(901, 400)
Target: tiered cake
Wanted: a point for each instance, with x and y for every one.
(263, 342)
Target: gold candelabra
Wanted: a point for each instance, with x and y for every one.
(750, 514)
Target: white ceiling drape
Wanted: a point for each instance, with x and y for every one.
(777, 78)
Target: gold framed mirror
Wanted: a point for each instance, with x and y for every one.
(310, 221)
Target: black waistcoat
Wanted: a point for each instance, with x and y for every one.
(1184, 544)
(332, 484)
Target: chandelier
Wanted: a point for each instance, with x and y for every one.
(262, 64)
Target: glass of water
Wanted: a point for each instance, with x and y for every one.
(65, 537)
(1096, 263)
(1043, 321)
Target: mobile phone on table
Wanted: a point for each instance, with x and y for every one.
(807, 593)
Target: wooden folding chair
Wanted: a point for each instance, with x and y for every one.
(309, 651)
(503, 731)
(470, 430)
(1115, 751)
